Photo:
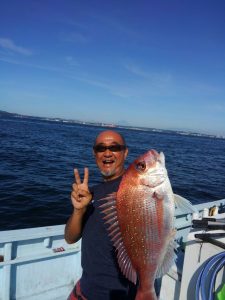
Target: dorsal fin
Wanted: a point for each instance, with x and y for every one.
(112, 224)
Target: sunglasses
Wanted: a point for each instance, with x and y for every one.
(112, 148)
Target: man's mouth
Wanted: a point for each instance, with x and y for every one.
(108, 161)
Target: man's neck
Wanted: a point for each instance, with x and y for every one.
(113, 177)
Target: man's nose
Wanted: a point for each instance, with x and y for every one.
(107, 152)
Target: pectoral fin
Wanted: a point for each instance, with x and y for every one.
(183, 204)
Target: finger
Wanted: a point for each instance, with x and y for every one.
(74, 187)
(75, 195)
(77, 176)
(75, 202)
(82, 193)
(86, 175)
(73, 199)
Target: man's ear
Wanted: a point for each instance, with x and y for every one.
(126, 153)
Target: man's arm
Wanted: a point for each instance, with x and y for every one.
(73, 229)
(80, 198)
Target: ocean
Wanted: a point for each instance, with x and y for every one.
(38, 158)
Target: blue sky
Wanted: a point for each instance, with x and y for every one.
(141, 63)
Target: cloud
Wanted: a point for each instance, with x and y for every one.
(112, 88)
(115, 24)
(136, 70)
(157, 86)
(71, 61)
(74, 37)
(153, 76)
(8, 44)
(216, 107)
(97, 83)
(75, 24)
(121, 90)
(17, 62)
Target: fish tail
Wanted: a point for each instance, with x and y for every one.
(146, 295)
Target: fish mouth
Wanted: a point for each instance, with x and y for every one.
(154, 180)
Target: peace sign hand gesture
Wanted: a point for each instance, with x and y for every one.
(80, 195)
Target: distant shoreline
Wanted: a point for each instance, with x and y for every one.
(4, 114)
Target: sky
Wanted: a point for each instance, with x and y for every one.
(157, 64)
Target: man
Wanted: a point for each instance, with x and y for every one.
(101, 278)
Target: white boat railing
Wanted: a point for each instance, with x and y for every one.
(37, 263)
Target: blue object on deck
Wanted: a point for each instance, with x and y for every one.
(208, 273)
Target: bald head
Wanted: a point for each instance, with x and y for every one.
(110, 135)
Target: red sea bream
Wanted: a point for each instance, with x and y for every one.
(140, 221)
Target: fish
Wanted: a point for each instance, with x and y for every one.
(140, 221)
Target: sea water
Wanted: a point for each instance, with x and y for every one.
(38, 157)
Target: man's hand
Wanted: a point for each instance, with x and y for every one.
(80, 198)
(80, 195)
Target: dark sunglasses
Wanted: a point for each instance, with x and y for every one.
(112, 148)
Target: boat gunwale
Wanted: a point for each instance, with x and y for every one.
(16, 235)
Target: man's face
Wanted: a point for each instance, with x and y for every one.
(110, 163)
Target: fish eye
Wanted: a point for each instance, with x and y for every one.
(141, 166)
